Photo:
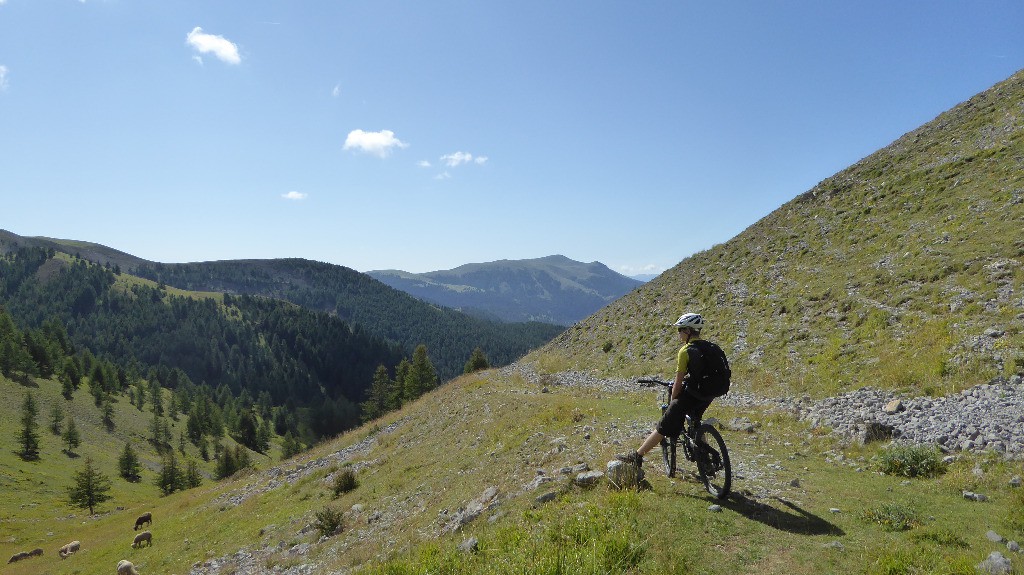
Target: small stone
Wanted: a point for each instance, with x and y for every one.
(715, 508)
(834, 545)
(894, 406)
(589, 478)
(994, 537)
(795, 483)
(546, 497)
(469, 545)
(1015, 481)
(834, 510)
(1013, 546)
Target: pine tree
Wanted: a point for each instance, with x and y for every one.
(193, 478)
(28, 438)
(477, 361)
(56, 419)
(108, 414)
(378, 397)
(128, 464)
(67, 389)
(171, 478)
(70, 437)
(90, 488)
(290, 446)
(422, 376)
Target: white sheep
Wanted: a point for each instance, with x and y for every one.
(69, 549)
(144, 537)
(125, 567)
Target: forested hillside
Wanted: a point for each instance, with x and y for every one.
(313, 362)
(450, 336)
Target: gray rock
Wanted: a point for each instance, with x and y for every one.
(588, 478)
(834, 545)
(469, 545)
(1013, 546)
(546, 497)
(894, 406)
(715, 508)
(994, 537)
(995, 564)
(1015, 481)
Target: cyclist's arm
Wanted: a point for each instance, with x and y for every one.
(677, 387)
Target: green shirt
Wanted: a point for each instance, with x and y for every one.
(683, 358)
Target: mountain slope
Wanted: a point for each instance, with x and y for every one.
(904, 270)
(552, 289)
(359, 300)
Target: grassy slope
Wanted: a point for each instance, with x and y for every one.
(417, 468)
(34, 511)
(888, 273)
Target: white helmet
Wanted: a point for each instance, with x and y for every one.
(690, 320)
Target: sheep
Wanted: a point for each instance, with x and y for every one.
(37, 552)
(19, 556)
(69, 549)
(146, 517)
(125, 567)
(144, 537)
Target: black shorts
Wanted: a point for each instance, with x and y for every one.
(671, 424)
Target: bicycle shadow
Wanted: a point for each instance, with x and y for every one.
(792, 518)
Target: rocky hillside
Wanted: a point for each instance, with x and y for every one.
(553, 289)
(903, 271)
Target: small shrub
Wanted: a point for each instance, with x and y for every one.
(893, 517)
(911, 461)
(607, 347)
(345, 481)
(329, 521)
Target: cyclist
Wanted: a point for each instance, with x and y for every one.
(685, 401)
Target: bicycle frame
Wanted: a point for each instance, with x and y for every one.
(709, 452)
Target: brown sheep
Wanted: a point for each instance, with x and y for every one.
(69, 549)
(146, 517)
(125, 567)
(37, 552)
(19, 556)
(144, 537)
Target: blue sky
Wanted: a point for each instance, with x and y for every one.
(425, 135)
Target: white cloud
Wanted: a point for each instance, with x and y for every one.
(219, 46)
(377, 143)
(632, 270)
(293, 195)
(459, 158)
(453, 160)
(423, 164)
(443, 175)
(3, 72)
(336, 91)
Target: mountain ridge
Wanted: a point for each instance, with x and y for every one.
(553, 289)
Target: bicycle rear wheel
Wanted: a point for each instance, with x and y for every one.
(713, 461)
(668, 454)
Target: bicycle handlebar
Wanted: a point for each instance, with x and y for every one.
(652, 381)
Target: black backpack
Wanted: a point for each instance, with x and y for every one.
(708, 368)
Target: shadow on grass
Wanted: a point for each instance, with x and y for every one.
(786, 517)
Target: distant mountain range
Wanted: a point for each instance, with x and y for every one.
(552, 289)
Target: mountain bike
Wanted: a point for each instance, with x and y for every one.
(702, 444)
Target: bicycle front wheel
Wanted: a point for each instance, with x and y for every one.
(713, 461)
(668, 454)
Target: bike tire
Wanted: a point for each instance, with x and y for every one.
(668, 454)
(713, 461)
